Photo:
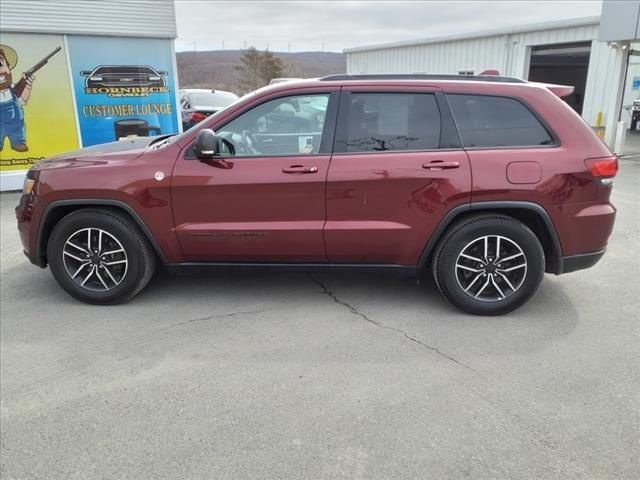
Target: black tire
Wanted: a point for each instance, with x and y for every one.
(118, 232)
(634, 124)
(452, 270)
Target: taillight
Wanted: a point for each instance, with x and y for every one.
(606, 167)
(197, 117)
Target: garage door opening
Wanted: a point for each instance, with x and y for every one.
(565, 64)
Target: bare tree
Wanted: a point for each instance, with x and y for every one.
(249, 70)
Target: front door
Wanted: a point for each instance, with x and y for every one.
(265, 202)
(397, 169)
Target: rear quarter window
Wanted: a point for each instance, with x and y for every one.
(490, 121)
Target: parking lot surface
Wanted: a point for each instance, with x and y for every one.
(323, 376)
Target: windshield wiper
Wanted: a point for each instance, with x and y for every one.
(160, 141)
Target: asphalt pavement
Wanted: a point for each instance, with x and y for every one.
(324, 376)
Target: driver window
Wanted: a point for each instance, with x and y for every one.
(284, 126)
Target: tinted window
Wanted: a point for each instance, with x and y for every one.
(486, 121)
(285, 126)
(392, 121)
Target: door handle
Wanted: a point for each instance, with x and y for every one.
(440, 165)
(299, 169)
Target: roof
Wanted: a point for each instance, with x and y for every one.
(570, 23)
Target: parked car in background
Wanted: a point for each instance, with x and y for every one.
(283, 79)
(487, 182)
(198, 103)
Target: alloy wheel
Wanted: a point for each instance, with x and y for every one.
(95, 259)
(491, 268)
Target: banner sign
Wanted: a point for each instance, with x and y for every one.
(123, 87)
(37, 118)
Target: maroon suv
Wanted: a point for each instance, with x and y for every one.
(488, 181)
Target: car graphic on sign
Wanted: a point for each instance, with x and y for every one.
(110, 76)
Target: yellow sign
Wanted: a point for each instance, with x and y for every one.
(37, 116)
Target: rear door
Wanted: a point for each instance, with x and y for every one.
(397, 169)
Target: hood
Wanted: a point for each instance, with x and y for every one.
(98, 154)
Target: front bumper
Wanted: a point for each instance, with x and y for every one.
(24, 217)
(35, 260)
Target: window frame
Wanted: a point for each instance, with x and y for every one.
(328, 130)
(552, 134)
(448, 130)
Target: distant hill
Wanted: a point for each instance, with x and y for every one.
(214, 69)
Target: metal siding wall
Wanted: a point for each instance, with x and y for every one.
(600, 90)
(492, 53)
(140, 18)
(476, 54)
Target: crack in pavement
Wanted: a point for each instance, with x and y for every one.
(355, 311)
(212, 317)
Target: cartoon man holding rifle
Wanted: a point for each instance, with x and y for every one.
(14, 97)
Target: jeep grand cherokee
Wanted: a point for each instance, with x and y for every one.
(487, 181)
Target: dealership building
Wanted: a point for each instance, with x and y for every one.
(593, 54)
(101, 71)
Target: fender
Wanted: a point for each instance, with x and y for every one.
(497, 206)
(92, 202)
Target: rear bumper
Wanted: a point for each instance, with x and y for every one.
(580, 262)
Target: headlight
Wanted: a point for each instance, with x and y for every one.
(29, 184)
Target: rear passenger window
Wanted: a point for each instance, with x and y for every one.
(485, 121)
(379, 122)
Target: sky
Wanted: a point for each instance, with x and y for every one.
(335, 25)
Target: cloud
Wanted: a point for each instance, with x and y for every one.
(334, 25)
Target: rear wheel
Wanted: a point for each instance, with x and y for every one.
(99, 256)
(634, 123)
(488, 265)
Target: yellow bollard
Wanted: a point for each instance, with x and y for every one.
(599, 129)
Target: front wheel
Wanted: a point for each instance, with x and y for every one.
(488, 265)
(99, 256)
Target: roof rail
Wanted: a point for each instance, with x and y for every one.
(421, 76)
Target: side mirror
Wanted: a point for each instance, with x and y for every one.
(206, 144)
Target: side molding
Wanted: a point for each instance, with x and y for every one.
(93, 202)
